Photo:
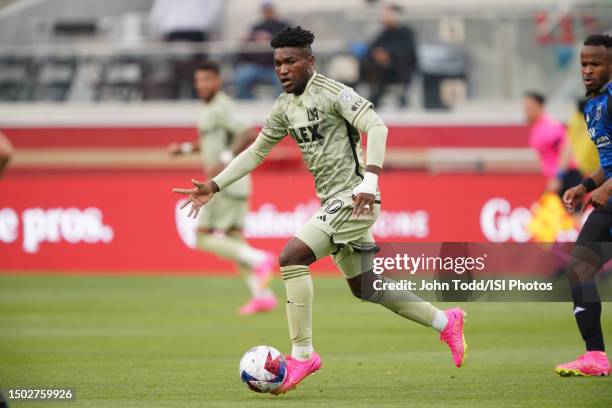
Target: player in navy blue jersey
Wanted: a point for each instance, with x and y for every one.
(594, 244)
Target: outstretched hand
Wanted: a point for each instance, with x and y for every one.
(199, 195)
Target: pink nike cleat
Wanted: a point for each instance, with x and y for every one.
(452, 335)
(264, 270)
(258, 305)
(591, 363)
(298, 370)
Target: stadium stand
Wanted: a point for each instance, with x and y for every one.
(472, 62)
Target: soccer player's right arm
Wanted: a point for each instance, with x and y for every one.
(272, 133)
(245, 162)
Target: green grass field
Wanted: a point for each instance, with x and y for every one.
(176, 342)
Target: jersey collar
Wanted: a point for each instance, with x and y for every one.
(298, 98)
(314, 75)
(604, 89)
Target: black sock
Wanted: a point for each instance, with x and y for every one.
(587, 311)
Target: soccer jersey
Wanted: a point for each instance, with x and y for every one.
(598, 115)
(322, 122)
(218, 126)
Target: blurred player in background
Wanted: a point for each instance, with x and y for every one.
(326, 118)
(222, 136)
(6, 152)
(547, 137)
(594, 244)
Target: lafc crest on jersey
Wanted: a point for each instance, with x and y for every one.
(313, 114)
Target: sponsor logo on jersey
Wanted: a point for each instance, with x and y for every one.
(602, 141)
(307, 135)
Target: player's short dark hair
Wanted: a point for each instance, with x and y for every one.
(536, 96)
(293, 37)
(598, 40)
(209, 65)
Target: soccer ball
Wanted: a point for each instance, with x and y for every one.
(263, 369)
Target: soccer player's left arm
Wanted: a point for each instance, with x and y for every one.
(360, 113)
(365, 193)
(601, 195)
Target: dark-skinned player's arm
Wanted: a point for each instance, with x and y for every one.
(243, 164)
(601, 195)
(574, 195)
(244, 140)
(365, 193)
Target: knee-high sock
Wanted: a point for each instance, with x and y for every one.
(298, 284)
(230, 248)
(587, 311)
(406, 304)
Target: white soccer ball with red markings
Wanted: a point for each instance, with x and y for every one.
(263, 369)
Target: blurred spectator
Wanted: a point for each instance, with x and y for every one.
(185, 20)
(258, 67)
(547, 137)
(6, 151)
(391, 58)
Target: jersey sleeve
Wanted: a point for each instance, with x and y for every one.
(350, 105)
(276, 126)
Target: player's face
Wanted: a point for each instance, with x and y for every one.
(207, 84)
(532, 109)
(294, 67)
(595, 67)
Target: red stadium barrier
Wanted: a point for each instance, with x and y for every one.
(129, 222)
(137, 136)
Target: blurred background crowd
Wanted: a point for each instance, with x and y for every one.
(405, 54)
